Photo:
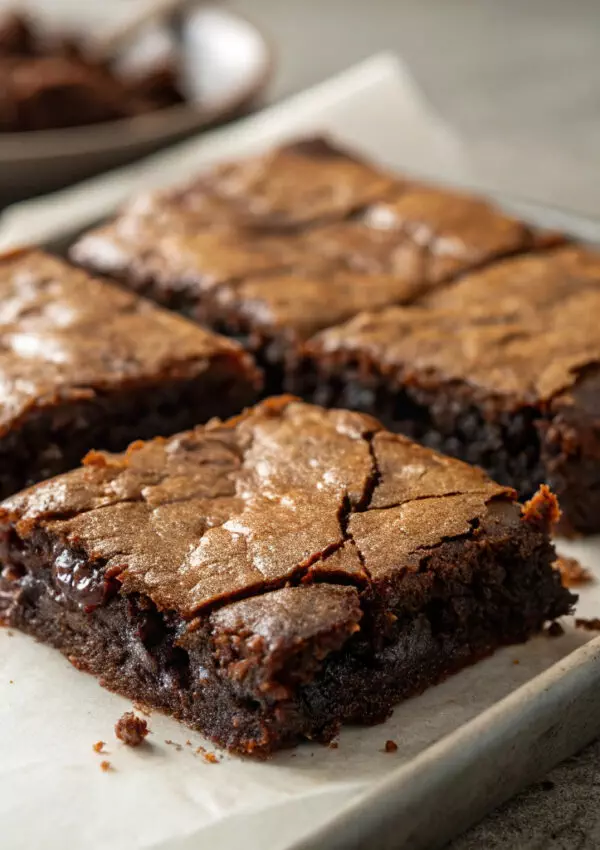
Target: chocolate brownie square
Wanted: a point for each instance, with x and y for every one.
(269, 577)
(278, 246)
(84, 364)
(502, 370)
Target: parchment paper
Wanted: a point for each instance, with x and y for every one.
(53, 792)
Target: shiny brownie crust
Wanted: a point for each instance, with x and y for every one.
(268, 578)
(86, 365)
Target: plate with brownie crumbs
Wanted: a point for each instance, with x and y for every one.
(345, 573)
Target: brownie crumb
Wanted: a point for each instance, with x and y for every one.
(542, 510)
(210, 758)
(131, 729)
(106, 766)
(98, 746)
(590, 624)
(516, 661)
(333, 745)
(555, 630)
(188, 743)
(390, 746)
(11, 681)
(572, 572)
(142, 709)
(171, 743)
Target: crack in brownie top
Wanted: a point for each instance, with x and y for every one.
(522, 329)
(285, 492)
(65, 336)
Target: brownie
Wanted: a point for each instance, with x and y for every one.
(51, 82)
(501, 370)
(269, 577)
(275, 247)
(84, 364)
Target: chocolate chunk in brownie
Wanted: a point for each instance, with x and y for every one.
(86, 365)
(269, 577)
(500, 369)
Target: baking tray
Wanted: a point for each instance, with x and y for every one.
(463, 747)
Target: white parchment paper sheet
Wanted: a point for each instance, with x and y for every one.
(53, 792)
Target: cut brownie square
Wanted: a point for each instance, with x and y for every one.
(502, 369)
(269, 577)
(84, 364)
(273, 248)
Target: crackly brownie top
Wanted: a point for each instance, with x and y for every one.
(303, 182)
(299, 238)
(65, 335)
(287, 491)
(169, 251)
(522, 329)
(231, 222)
(299, 302)
(425, 233)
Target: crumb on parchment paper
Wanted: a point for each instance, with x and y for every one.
(131, 729)
(105, 766)
(589, 624)
(390, 746)
(98, 747)
(572, 573)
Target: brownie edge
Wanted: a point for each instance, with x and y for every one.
(270, 577)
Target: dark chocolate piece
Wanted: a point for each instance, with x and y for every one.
(86, 365)
(269, 577)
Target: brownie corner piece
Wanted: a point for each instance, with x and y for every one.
(84, 364)
(270, 577)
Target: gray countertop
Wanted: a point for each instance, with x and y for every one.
(518, 80)
(523, 75)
